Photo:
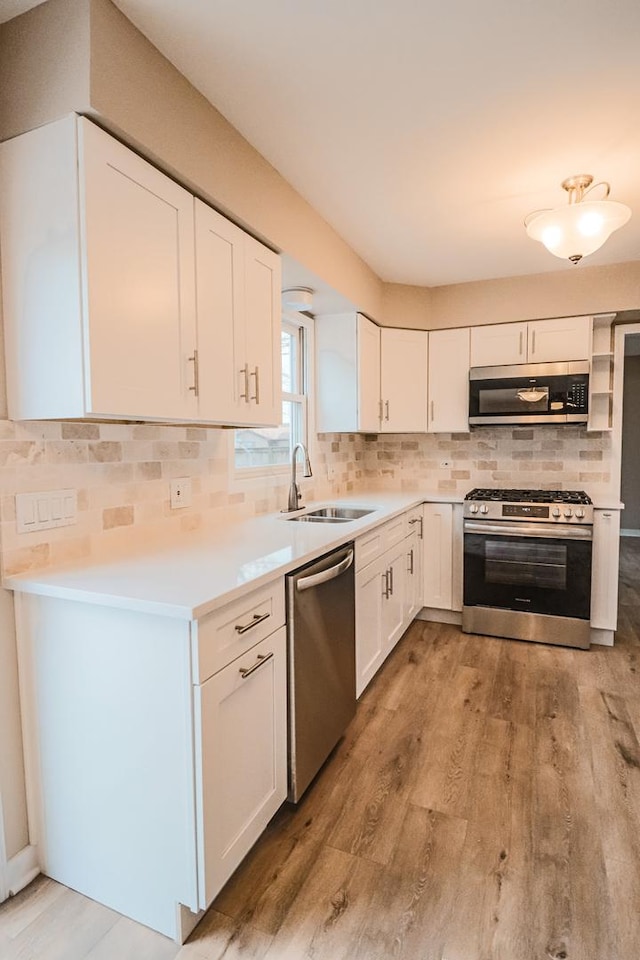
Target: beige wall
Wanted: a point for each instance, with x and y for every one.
(44, 65)
(573, 292)
(630, 486)
(406, 306)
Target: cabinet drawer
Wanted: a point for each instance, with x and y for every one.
(373, 545)
(228, 632)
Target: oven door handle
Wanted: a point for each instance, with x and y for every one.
(535, 530)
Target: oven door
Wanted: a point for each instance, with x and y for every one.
(528, 567)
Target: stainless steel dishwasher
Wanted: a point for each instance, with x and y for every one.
(322, 672)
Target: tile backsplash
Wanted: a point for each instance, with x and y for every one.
(121, 472)
(544, 456)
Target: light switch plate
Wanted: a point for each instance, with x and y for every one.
(46, 509)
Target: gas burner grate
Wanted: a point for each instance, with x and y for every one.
(529, 496)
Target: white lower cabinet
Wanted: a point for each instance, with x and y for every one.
(155, 747)
(605, 563)
(438, 555)
(413, 576)
(241, 758)
(388, 590)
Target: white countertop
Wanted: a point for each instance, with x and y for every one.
(194, 575)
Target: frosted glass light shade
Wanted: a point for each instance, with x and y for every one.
(575, 231)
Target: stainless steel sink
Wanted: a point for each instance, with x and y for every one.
(332, 515)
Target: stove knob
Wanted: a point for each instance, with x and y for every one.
(568, 512)
(484, 508)
(579, 513)
(555, 512)
(473, 508)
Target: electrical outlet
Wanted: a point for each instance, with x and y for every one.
(180, 493)
(446, 463)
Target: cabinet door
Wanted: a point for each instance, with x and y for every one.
(393, 605)
(368, 375)
(565, 338)
(449, 381)
(220, 309)
(604, 575)
(498, 343)
(437, 560)
(139, 290)
(371, 586)
(262, 333)
(241, 758)
(413, 577)
(403, 380)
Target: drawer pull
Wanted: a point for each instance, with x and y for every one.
(257, 618)
(262, 658)
(417, 520)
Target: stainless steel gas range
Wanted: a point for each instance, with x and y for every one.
(527, 565)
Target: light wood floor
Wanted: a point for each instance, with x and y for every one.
(483, 805)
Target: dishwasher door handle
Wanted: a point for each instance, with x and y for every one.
(306, 583)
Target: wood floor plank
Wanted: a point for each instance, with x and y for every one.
(220, 938)
(616, 763)
(570, 893)
(513, 695)
(67, 930)
(413, 902)
(332, 910)
(448, 753)
(17, 913)
(128, 940)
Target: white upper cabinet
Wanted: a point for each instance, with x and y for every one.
(403, 380)
(538, 341)
(238, 311)
(567, 338)
(99, 290)
(449, 381)
(370, 379)
(368, 375)
(499, 344)
(98, 278)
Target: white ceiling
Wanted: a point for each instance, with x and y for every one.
(424, 132)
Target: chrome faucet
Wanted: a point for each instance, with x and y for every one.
(293, 503)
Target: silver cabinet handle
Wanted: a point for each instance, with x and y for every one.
(533, 343)
(196, 374)
(417, 520)
(410, 555)
(256, 396)
(306, 583)
(385, 580)
(521, 344)
(245, 372)
(255, 620)
(391, 580)
(606, 516)
(432, 411)
(386, 409)
(262, 658)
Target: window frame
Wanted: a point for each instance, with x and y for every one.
(279, 473)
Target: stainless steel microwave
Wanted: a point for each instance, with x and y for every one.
(530, 393)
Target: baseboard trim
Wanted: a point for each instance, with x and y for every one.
(629, 533)
(433, 615)
(20, 870)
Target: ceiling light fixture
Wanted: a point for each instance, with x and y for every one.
(298, 298)
(580, 228)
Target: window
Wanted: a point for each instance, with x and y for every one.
(263, 449)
